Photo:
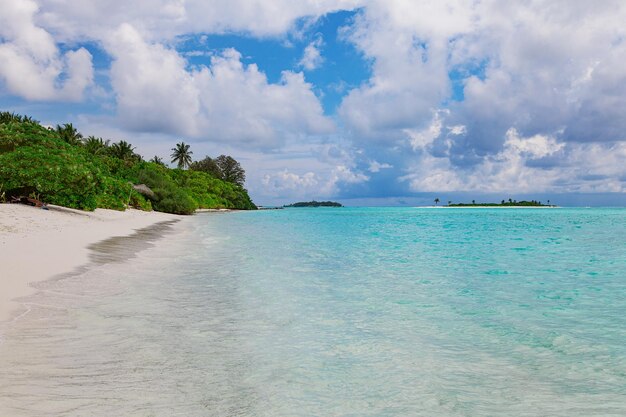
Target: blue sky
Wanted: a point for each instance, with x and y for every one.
(377, 102)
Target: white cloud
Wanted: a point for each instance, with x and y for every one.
(375, 166)
(31, 65)
(547, 70)
(312, 56)
(537, 146)
(421, 138)
(526, 165)
(287, 184)
(164, 19)
(407, 43)
(153, 89)
(542, 78)
(227, 101)
(543, 86)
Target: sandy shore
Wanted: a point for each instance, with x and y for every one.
(38, 244)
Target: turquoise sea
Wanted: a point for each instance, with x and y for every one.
(335, 312)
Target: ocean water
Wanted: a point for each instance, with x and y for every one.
(335, 312)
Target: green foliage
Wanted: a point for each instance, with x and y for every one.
(210, 192)
(231, 170)
(158, 160)
(207, 165)
(59, 176)
(124, 151)
(115, 194)
(7, 117)
(315, 204)
(16, 134)
(510, 203)
(59, 167)
(96, 146)
(69, 134)
(140, 202)
(169, 197)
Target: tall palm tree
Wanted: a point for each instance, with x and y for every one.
(123, 150)
(437, 201)
(96, 146)
(69, 134)
(7, 117)
(157, 160)
(181, 155)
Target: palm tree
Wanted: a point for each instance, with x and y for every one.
(181, 155)
(6, 117)
(449, 202)
(157, 160)
(69, 134)
(96, 146)
(437, 201)
(123, 150)
(473, 201)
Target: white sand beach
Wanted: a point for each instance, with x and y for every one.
(38, 244)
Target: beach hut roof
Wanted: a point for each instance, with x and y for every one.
(144, 190)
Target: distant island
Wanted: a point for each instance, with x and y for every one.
(503, 203)
(315, 204)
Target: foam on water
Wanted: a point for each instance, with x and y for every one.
(337, 312)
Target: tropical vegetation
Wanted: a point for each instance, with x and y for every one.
(315, 204)
(503, 203)
(60, 166)
(181, 155)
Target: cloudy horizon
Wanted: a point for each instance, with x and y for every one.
(370, 102)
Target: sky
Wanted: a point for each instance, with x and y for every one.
(378, 102)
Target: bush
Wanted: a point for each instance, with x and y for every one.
(210, 192)
(169, 198)
(57, 176)
(139, 202)
(35, 160)
(115, 194)
(14, 135)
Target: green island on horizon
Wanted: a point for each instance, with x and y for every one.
(314, 204)
(510, 203)
(504, 203)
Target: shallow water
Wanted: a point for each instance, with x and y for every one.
(337, 312)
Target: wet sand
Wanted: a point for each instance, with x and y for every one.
(36, 244)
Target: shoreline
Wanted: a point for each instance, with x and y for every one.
(37, 245)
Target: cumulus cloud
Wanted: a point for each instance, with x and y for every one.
(525, 165)
(153, 89)
(529, 70)
(312, 57)
(287, 184)
(463, 95)
(164, 19)
(31, 64)
(226, 101)
(375, 166)
(316, 171)
(407, 44)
